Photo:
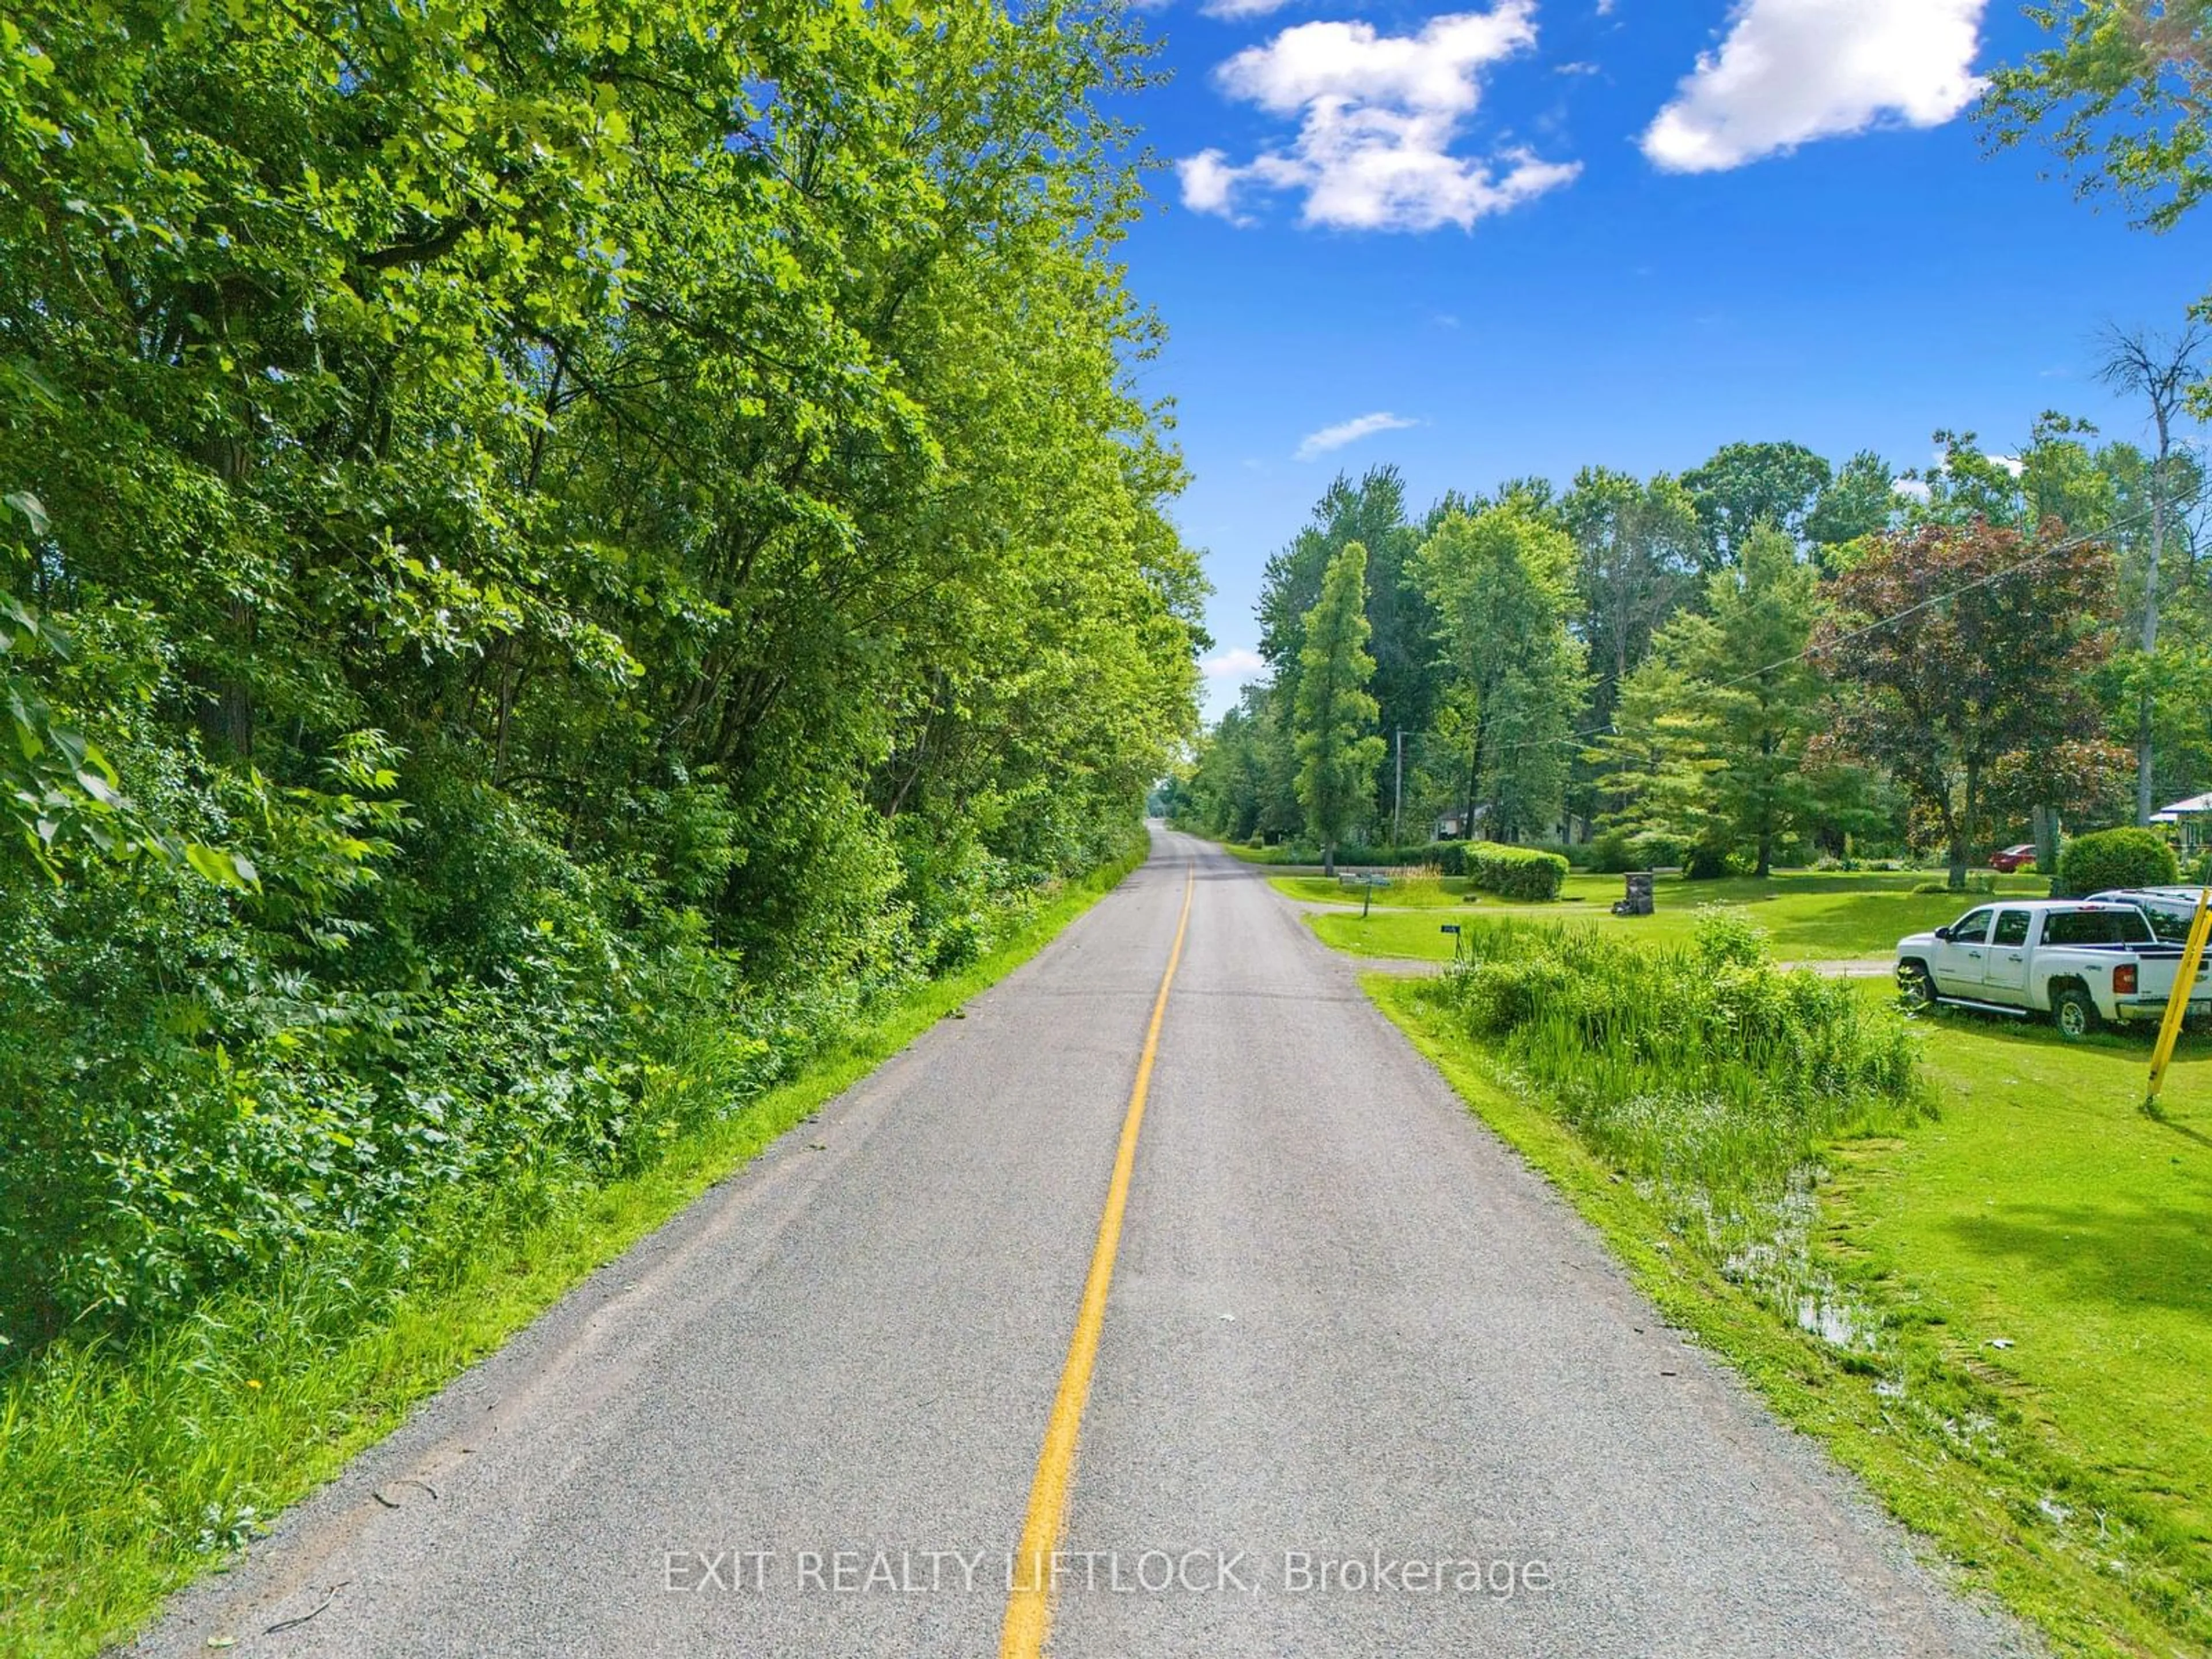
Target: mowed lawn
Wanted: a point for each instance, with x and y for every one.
(2065, 1239)
(1808, 917)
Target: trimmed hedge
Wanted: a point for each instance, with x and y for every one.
(1517, 872)
(2117, 858)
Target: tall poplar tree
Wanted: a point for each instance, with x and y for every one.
(1338, 751)
(1502, 581)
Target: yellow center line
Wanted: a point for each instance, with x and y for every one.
(1029, 1600)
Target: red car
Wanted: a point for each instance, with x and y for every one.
(2012, 860)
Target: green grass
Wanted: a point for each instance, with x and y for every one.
(2068, 1472)
(124, 1474)
(1808, 917)
(1437, 892)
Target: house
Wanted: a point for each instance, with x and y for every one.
(2193, 819)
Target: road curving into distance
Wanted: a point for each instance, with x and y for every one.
(1349, 1379)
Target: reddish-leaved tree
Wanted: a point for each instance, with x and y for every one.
(1963, 653)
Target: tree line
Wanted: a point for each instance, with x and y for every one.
(550, 554)
(1765, 659)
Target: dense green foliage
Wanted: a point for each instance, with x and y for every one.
(1520, 874)
(1703, 1066)
(2117, 858)
(548, 564)
(1713, 731)
(1336, 747)
(2119, 94)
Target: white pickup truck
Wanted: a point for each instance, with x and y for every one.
(2083, 964)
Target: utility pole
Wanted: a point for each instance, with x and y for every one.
(1398, 804)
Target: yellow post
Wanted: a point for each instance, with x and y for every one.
(2185, 982)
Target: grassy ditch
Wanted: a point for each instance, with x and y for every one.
(1953, 1249)
(125, 1472)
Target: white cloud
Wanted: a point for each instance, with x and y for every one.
(1207, 183)
(1234, 664)
(1233, 9)
(1913, 488)
(1791, 71)
(1320, 443)
(1378, 116)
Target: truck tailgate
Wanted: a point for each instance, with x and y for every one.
(2159, 966)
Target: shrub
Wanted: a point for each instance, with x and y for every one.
(1705, 1067)
(1705, 862)
(2116, 857)
(1516, 873)
(1613, 853)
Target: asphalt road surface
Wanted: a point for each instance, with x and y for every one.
(1363, 1386)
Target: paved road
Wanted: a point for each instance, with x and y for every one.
(1348, 1326)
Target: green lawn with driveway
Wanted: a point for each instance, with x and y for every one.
(1808, 917)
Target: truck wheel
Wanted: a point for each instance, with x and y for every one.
(1914, 985)
(2074, 1013)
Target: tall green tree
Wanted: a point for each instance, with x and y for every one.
(1730, 710)
(1502, 581)
(1859, 502)
(1371, 512)
(1638, 549)
(1748, 484)
(1337, 749)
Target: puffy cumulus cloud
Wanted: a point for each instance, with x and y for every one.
(1235, 665)
(1320, 443)
(1378, 116)
(1791, 71)
(1208, 182)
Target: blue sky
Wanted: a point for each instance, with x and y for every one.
(1543, 233)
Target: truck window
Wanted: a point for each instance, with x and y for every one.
(2011, 928)
(2170, 926)
(1972, 928)
(2114, 927)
